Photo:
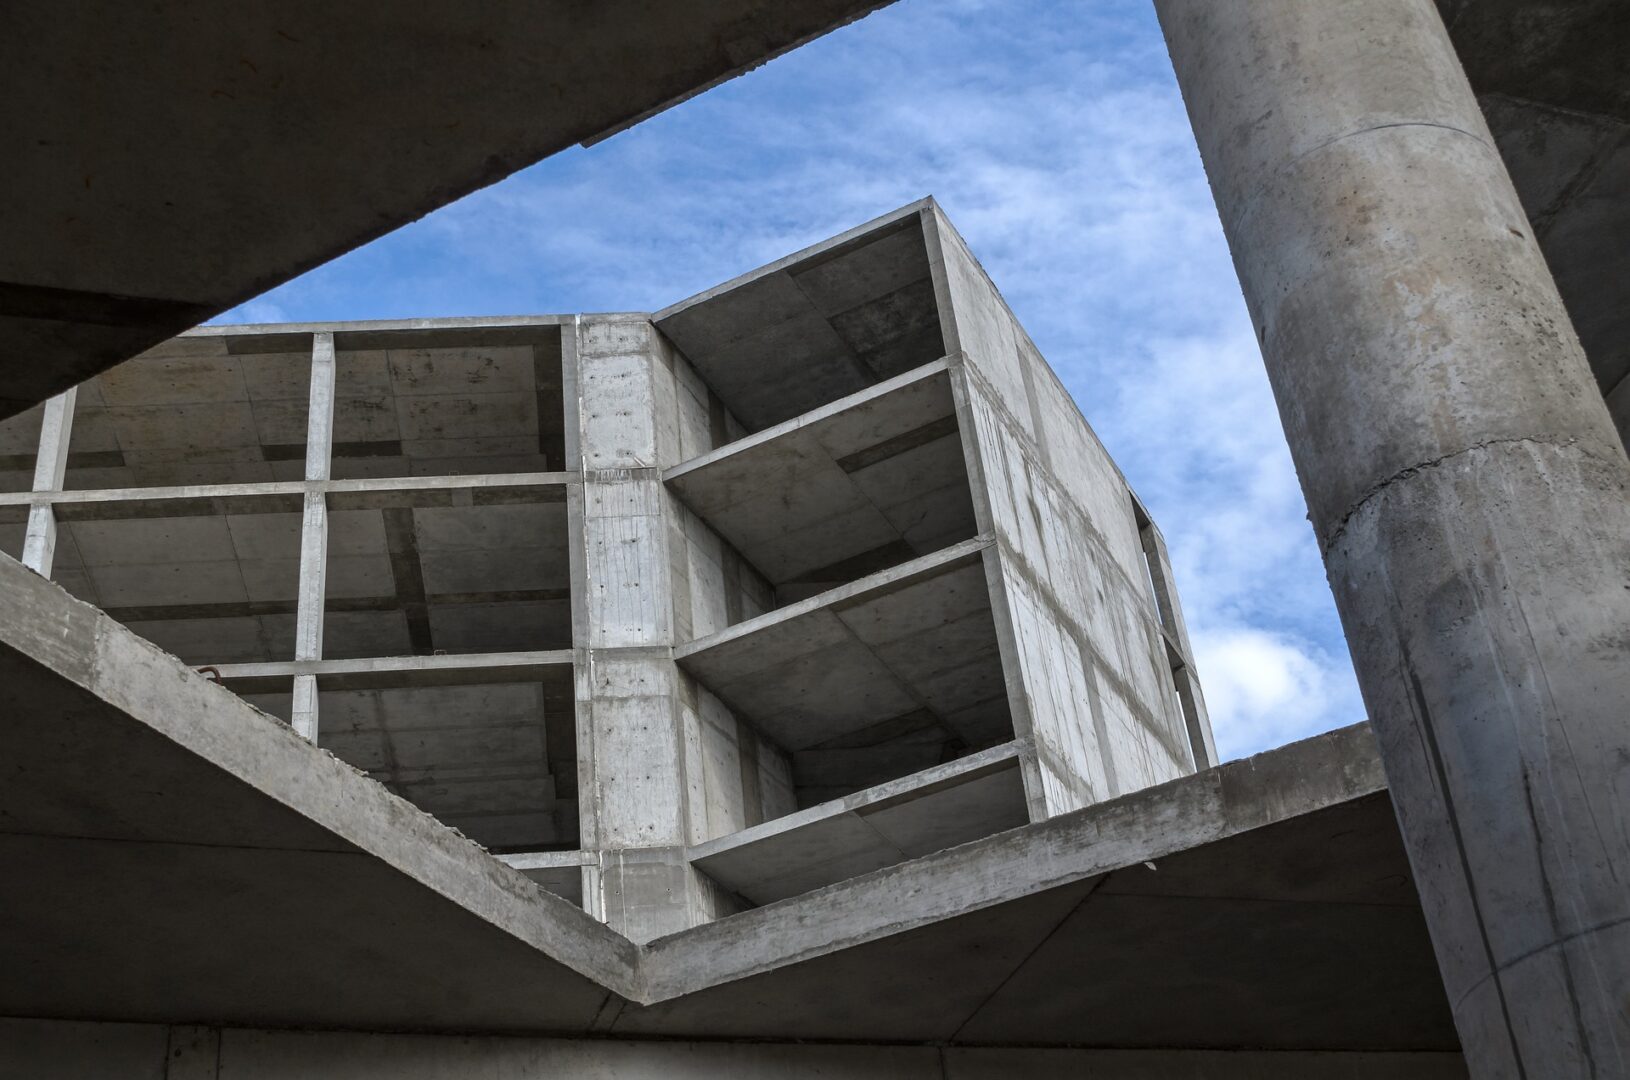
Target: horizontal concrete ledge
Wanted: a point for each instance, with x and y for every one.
(1227, 801)
(759, 440)
(545, 860)
(560, 872)
(382, 672)
(241, 338)
(287, 496)
(937, 808)
(918, 569)
(859, 232)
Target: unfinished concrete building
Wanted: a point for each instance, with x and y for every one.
(1425, 203)
(681, 614)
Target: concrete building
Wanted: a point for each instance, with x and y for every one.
(1425, 203)
(796, 656)
(685, 613)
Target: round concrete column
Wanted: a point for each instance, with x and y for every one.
(1466, 484)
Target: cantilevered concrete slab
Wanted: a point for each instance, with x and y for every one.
(168, 162)
(857, 485)
(1263, 904)
(940, 807)
(1266, 903)
(166, 850)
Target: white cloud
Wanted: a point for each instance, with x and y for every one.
(1264, 689)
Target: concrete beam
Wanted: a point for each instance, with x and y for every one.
(1466, 485)
(387, 671)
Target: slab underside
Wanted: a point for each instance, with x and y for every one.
(165, 166)
(938, 808)
(816, 326)
(892, 674)
(863, 484)
(169, 854)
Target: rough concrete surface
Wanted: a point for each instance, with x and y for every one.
(1466, 485)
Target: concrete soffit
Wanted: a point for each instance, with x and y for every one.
(71, 651)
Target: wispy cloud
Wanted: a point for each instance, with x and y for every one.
(1054, 136)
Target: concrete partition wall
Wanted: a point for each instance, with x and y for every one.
(1090, 669)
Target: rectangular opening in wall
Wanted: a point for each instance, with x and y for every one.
(448, 401)
(495, 760)
(195, 410)
(871, 682)
(211, 581)
(864, 485)
(884, 705)
(815, 327)
(422, 580)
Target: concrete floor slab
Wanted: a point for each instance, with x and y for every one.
(1279, 911)
(839, 671)
(815, 326)
(859, 484)
(937, 808)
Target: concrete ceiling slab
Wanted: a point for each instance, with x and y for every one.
(950, 804)
(166, 162)
(836, 673)
(815, 326)
(863, 483)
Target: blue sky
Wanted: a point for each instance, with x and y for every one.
(1054, 137)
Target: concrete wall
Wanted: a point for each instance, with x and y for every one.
(85, 1051)
(662, 759)
(1088, 667)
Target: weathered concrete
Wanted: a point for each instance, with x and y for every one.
(1089, 661)
(1466, 484)
(302, 878)
(168, 163)
(1279, 913)
(418, 524)
(940, 807)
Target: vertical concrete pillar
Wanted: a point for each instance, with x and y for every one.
(50, 470)
(1466, 485)
(631, 731)
(308, 627)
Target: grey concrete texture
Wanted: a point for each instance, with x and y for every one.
(171, 162)
(1466, 484)
(858, 310)
(90, 1051)
(665, 630)
(304, 878)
